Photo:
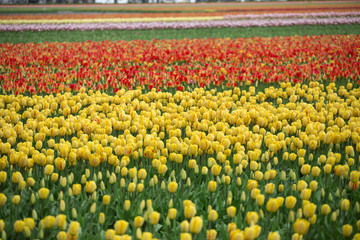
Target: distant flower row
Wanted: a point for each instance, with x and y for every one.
(178, 24)
(113, 19)
(294, 15)
(176, 64)
(99, 15)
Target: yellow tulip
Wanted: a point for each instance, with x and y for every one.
(236, 234)
(142, 174)
(325, 209)
(93, 208)
(196, 225)
(252, 232)
(192, 164)
(184, 226)
(301, 185)
(127, 204)
(172, 187)
(231, 227)
(349, 150)
(356, 236)
(215, 170)
(138, 221)
(19, 226)
(154, 218)
(211, 234)
(212, 186)
(43, 193)
(315, 171)
(90, 186)
(106, 200)
(60, 221)
(49, 221)
(140, 187)
(94, 161)
(213, 215)
(2, 225)
(3, 176)
(121, 226)
(231, 211)
(290, 202)
(327, 168)
(260, 199)
(254, 193)
(61, 235)
(16, 177)
(269, 188)
(305, 194)
(60, 164)
(354, 176)
(347, 230)
(76, 189)
(48, 170)
(345, 205)
(185, 236)
(272, 205)
(301, 226)
(251, 184)
(74, 228)
(30, 181)
(149, 152)
(305, 169)
(172, 213)
(252, 218)
(309, 210)
(146, 236)
(189, 211)
(131, 187)
(29, 222)
(273, 236)
(15, 199)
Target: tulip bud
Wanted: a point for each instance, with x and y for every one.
(2, 225)
(62, 205)
(333, 216)
(344, 205)
(127, 204)
(291, 216)
(34, 215)
(73, 213)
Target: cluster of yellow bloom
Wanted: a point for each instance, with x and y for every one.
(148, 165)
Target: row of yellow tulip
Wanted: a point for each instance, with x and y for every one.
(207, 164)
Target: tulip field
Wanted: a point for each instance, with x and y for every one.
(194, 138)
